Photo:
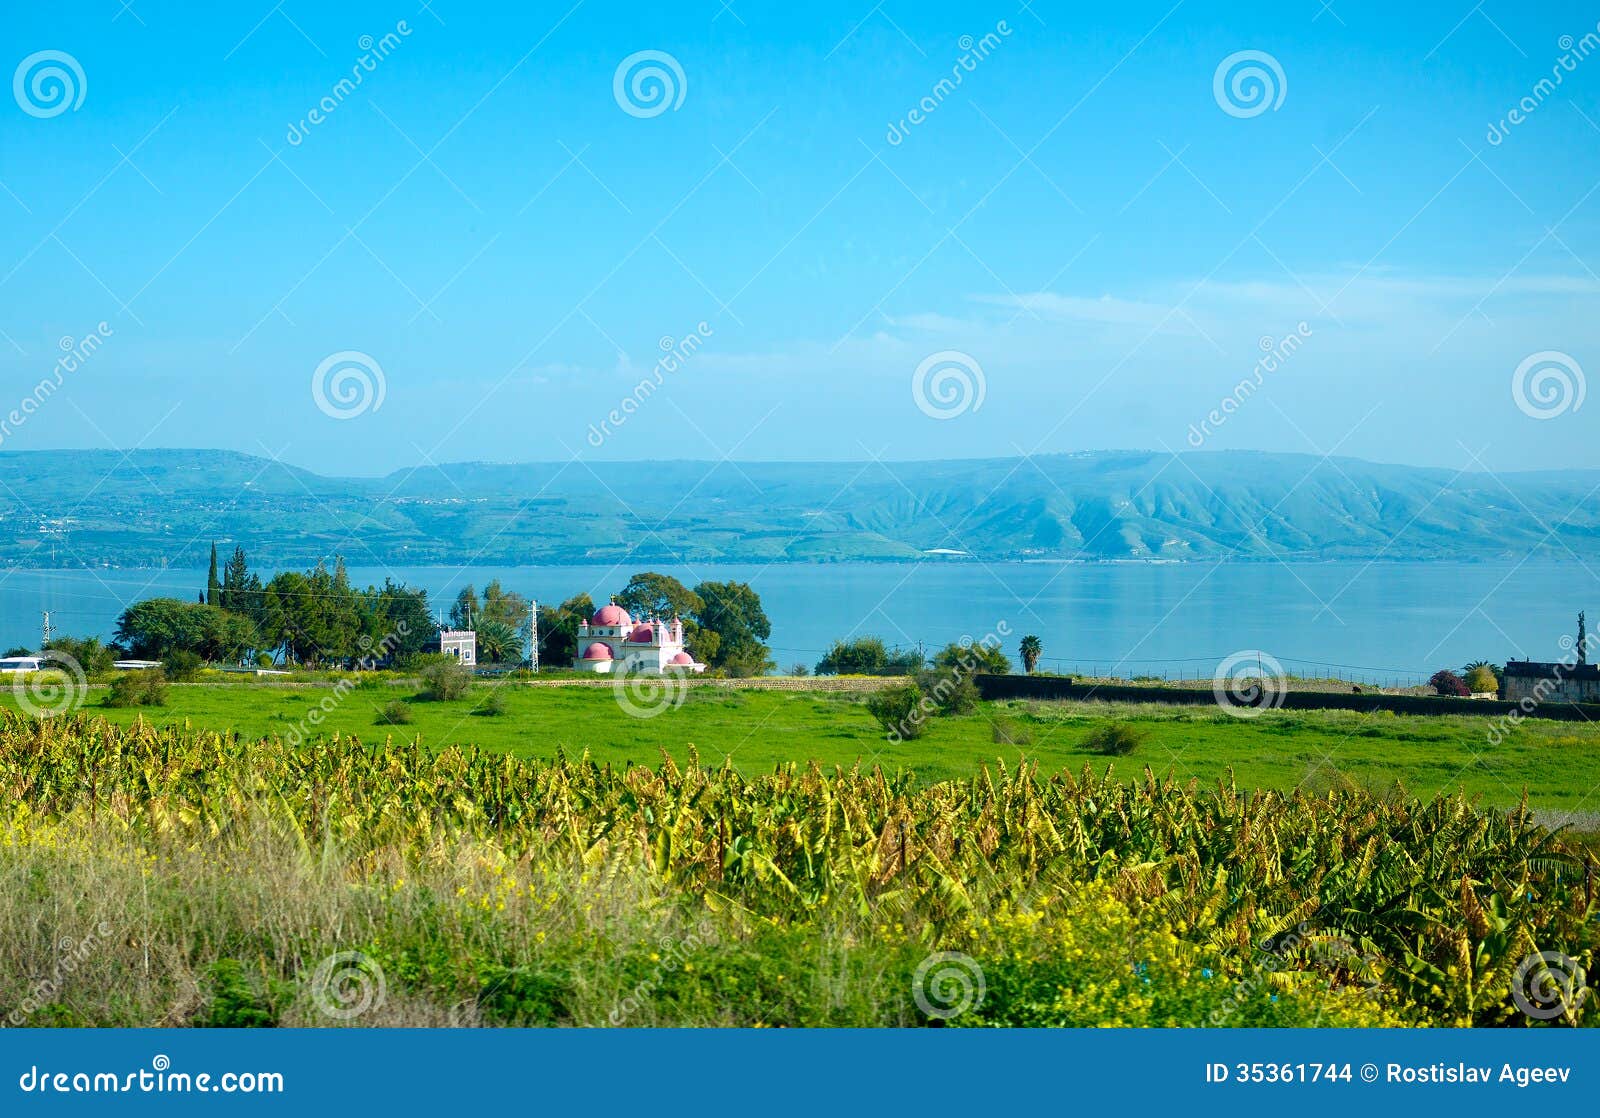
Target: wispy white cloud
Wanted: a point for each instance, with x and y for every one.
(1365, 294)
(1108, 309)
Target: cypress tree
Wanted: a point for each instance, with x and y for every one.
(213, 587)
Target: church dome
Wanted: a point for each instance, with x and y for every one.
(643, 634)
(610, 615)
(682, 660)
(597, 651)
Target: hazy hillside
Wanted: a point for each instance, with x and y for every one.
(149, 507)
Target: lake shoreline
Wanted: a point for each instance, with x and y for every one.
(1388, 624)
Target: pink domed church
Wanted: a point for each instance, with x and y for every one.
(611, 641)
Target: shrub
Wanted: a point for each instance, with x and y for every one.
(444, 679)
(263, 660)
(54, 1014)
(396, 713)
(180, 665)
(1115, 739)
(1446, 682)
(1006, 732)
(239, 1000)
(524, 995)
(144, 688)
(951, 689)
(899, 710)
(973, 657)
(1481, 678)
(493, 706)
(1494, 669)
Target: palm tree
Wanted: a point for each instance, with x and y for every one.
(1030, 649)
(497, 642)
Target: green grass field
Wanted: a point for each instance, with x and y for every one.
(1558, 763)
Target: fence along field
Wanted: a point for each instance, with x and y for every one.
(220, 879)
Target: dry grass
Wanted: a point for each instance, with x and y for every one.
(130, 931)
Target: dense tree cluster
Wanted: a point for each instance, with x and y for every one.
(157, 627)
(558, 629)
(316, 619)
(92, 656)
(731, 611)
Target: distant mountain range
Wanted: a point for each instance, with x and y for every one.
(165, 507)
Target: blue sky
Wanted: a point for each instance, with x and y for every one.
(1080, 217)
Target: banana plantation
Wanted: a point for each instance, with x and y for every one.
(173, 876)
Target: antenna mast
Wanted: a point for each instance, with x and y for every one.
(533, 636)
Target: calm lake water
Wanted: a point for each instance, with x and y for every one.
(1379, 621)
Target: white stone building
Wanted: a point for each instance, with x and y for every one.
(611, 641)
(460, 643)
